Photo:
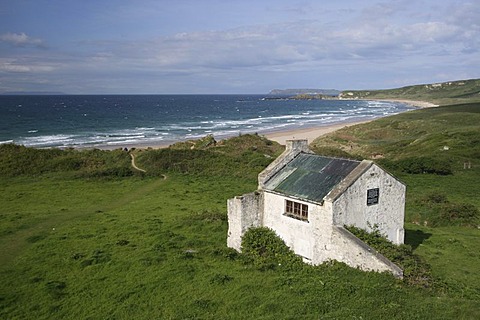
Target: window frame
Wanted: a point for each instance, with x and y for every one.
(373, 196)
(296, 210)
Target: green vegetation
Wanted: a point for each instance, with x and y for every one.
(448, 135)
(19, 160)
(452, 92)
(434, 150)
(82, 235)
(240, 157)
(266, 250)
(416, 271)
(308, 96)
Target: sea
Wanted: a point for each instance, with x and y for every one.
(115, 121)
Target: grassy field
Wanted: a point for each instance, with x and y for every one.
(83, 236)
(446, 93)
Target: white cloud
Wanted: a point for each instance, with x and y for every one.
(293, 43)
(373, 40)
(11, 66)
(21, 40)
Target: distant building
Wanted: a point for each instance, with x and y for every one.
(307, 200)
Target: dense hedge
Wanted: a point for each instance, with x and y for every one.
(266, 250)
(18, 160)
(416, 271)
(442, 212)
(419, 165)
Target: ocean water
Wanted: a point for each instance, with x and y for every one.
(125, 120)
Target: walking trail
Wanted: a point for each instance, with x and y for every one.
(134, 165)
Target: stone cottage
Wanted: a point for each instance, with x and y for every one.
(307, 200)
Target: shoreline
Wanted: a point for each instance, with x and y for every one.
(281, 136)
(309, 134)
(314, 132)
(414, 103)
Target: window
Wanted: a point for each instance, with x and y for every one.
(296, 210)
(372, 196)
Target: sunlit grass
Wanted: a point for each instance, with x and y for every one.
(93, 243)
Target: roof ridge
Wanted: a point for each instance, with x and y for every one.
(329, 157)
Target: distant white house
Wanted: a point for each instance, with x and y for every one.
(307, 200)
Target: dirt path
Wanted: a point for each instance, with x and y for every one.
(140, 169)
(134, 165)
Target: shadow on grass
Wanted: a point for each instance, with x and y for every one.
(415, 237)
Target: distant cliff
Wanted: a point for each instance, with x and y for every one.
(294, 92)
(445, 92)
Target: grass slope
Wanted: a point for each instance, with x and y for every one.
(442, 93)
(91, 242)
(151, 248)
(424, 132)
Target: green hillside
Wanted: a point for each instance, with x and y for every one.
(440, 93)
(85, 235)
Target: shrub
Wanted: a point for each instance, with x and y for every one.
(418, 165)
(446, 213)
(435, 198)
(416, 271)
(19, 160)
(459, 214)
(266, 249)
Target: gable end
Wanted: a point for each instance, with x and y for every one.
(350, 179)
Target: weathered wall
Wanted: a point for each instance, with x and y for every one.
(352, 251)
(323, 237)
(297, 234)
(318, 240)
(350, 208)
(244, 212)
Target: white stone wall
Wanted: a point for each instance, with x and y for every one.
(388, 215)
(323, 249)
(352, 251)
(297, 234)
(244, 212)
(323, 237)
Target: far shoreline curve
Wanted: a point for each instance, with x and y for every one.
(281, 136)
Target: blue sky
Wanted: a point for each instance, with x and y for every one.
(229, 46)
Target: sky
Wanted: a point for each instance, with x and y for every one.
(230, 46)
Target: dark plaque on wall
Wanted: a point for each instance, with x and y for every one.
(372, 196)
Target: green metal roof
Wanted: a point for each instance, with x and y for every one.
(310, 176)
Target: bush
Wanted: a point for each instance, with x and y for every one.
(416, 271)
(446, 213)
(19, 160)
(435, 198)
(418, 165)
(266, 250)
(459, 214)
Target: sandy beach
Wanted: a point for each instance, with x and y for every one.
(279, 136)
(312, 133)
(309, 134)
(413, 103)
